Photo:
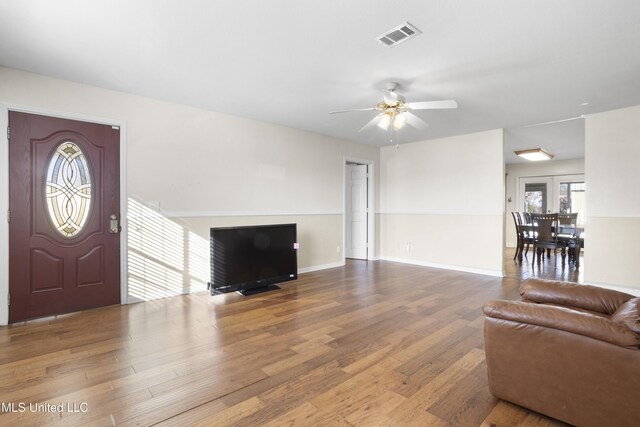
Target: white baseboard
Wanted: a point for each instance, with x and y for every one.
(495, 273)
(320, 267)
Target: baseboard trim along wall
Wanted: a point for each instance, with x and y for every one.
(321, 267)
(484, 272)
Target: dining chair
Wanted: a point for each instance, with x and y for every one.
(568, 238)
(524, 234)
(544, 234)
(516, 223)
(568, 218)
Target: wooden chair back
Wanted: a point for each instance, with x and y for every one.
(545, 226)
(568, 218)
(517, 219)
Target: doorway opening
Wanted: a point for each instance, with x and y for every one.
(555, 186)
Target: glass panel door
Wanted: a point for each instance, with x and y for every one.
(536, 195)
(559, 193)
(571, 198)
(535, 198)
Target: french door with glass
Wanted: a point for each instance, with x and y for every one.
(559, 193)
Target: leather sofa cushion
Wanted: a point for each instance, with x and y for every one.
(629, 314)
(592, 298)
(563, 319)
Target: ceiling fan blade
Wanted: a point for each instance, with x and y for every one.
(356, 109)
(432, 105)
(372, 123)
(555, 121)
(415, 121)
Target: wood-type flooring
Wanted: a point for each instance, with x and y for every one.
(373, 343)
(549, 268)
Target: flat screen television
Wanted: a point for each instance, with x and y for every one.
(252, 259)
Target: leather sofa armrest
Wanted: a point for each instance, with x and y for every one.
(563, 319)
(593, 298)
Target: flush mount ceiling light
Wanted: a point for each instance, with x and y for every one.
(534, 155)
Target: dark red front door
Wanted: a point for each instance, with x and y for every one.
(64, 193)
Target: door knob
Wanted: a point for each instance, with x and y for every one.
(114, 224)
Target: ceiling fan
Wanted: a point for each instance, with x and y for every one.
(395, 111)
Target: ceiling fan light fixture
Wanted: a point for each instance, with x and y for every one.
(399, 121)
(385, 121)
(534, 154)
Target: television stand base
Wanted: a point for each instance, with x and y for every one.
(252, 291)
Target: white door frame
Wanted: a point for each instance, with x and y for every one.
(4, 195)
(371, 235)
(361, 251)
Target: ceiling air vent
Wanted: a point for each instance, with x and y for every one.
(399, 34)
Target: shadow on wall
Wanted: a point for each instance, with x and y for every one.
(164, 258)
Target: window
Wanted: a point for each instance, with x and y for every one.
(68, 189)
(571, 199)
(535, 197)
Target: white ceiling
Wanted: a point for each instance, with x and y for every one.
(290, 62)
(564, 140)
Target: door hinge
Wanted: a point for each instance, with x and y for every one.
(8, 133)
(8, 298)
(8, 215)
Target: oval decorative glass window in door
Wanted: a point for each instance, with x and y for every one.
(68, 189)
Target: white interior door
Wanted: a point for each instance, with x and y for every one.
(356, 210)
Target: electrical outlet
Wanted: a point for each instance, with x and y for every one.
(338, 249)
(409, 246)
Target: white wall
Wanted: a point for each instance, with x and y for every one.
(520, 170)
(441, 202)
(186, 166)
(612, 151)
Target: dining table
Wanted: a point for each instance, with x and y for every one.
(571, 236)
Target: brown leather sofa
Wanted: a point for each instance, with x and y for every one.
(568, 351)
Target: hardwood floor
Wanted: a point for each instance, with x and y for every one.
(549, 268)
(374, 343)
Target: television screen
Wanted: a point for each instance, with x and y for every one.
(251, 257)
